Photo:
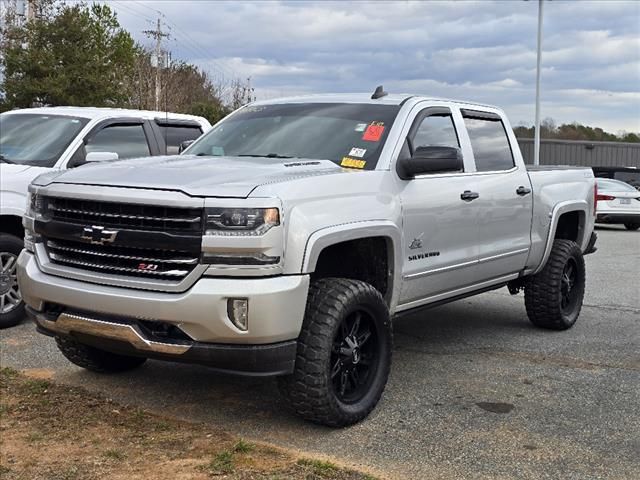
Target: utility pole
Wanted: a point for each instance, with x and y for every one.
(158, 35)
(536, 142)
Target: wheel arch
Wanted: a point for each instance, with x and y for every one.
(568, 222)
(344, 236)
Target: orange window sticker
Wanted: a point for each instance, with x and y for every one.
(352, 162)
(373, 132)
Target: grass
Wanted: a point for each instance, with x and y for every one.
(243, 447)
(319, 467)
(56, 432)
(114, 454)
(222, 463)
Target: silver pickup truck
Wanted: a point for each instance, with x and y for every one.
(284, 241)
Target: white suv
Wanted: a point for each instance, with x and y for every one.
(37, 140)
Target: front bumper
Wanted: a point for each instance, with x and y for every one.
(276, 308)
(131, 338)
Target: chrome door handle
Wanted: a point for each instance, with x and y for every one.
(522, 190)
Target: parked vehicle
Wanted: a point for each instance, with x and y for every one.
(630, 175)
(618, 203)
(285, 240)
(37, 140)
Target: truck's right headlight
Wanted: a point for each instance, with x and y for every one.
(240, 221)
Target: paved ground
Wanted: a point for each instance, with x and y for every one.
(475, 391)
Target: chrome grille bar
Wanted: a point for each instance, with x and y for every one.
(114, 268)
(124, 216)
(85, 251)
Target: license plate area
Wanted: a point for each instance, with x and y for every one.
(625, 201)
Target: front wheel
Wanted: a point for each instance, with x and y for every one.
(553, 297)
(344, 353)
(11, 304)
(632, 226)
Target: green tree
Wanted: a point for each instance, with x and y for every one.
(70, 55)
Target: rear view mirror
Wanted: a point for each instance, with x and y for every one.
(431, 159)
(100, 156)
(183, 145)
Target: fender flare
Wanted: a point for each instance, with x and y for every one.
(559, 210)
(325, 237)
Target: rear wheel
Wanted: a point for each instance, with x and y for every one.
(11, 304)
(94, 359)
(632, 226)
(553, 297)
(344, 353)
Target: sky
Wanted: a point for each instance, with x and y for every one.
(482, 51)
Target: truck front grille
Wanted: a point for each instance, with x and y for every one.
(159, 243)
(149, 263)
(126, 215)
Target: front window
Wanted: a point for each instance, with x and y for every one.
(36, 139)
(351, 135)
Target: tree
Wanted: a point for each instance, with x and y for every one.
(574, 131)
(69, 55)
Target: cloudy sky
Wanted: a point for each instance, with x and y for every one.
(473, 50)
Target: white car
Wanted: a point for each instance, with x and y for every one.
(618, 202)
(38, 140)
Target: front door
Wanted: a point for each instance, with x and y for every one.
(440, 228)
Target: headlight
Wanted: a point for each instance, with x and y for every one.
(35, 205)
(240, 221)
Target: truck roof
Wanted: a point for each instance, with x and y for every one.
(390, 99)
(100, 112)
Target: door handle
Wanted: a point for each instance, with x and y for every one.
(522, 190)
(468, 195)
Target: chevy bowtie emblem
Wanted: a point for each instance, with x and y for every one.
(98, 235)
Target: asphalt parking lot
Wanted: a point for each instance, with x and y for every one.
(475, 390)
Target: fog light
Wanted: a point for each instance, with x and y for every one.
(238, 311)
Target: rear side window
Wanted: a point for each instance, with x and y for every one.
(175, 135)
(128, 141)
(490, 144)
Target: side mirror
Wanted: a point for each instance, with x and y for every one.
(183, 145)
(432, 159)
(100, 156)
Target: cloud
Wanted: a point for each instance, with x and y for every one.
(476, 50)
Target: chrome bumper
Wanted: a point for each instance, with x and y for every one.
(68, 323)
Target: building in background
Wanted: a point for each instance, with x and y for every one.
(582, 152)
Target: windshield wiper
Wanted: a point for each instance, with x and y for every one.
(268, 155)
(6, 160)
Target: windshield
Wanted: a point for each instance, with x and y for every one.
(614, 186)
(351, 135)
(36, 139)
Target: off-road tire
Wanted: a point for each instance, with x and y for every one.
(543, 292)
(94, 359)
(632, 226)
(309, 390)
(13, 245)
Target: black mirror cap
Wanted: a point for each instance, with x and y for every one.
(183, 145)
(432, 159)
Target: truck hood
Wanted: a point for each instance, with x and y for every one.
(195, 175)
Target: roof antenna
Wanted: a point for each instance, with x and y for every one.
(379, 93)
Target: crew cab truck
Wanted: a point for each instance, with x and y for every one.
(37, 140)
(285, 240)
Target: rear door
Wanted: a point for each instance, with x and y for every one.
(505, 205)
(440, 228)
(172, 132)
